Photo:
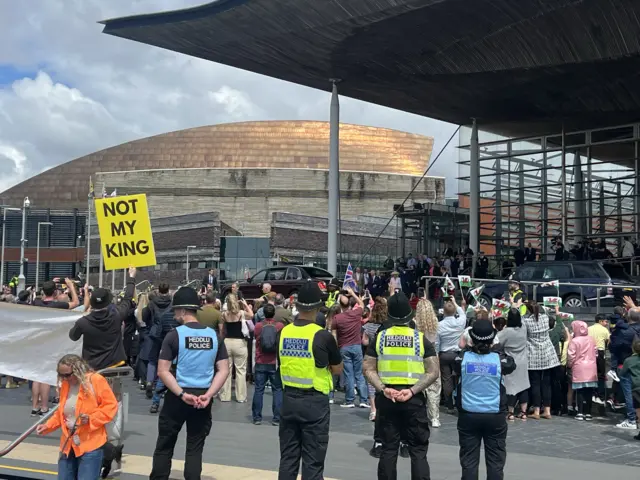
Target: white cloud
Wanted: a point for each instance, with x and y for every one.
(90, 91)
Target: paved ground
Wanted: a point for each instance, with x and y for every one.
(236, 449)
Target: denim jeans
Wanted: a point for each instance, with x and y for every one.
(152, 371)
(625, 385)
(87, 466)
(157, 392)
(262, 374)
(353, 376)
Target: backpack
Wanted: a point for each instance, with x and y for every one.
(155, 332)
(269, 338)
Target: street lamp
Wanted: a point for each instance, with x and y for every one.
(4, 236)
(190, 247)
(47, 224)
(23, 240)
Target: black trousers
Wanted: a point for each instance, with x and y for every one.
(173, 415)
(403, 420)
(447, 374)
(559, 389)
(602, 373)
(540, 381)
(304, 434)
(474, 429)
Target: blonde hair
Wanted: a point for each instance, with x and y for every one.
(233, 306)
(79, 368)
(143, 302)
(426, 319)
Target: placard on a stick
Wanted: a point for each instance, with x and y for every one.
(125, 232)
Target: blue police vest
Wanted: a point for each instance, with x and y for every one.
(480, 382)
(196, 356)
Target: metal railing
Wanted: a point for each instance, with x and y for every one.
(112, 374)
(598, 287)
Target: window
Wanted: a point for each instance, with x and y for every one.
(276, 274)
(587, 270)
(616, 271)
(259, 277)
(202, 265)
(294, 273)
(557, 272)
(526, 273)
(174, 266)
(315, 272)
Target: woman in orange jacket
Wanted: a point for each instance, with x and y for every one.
(87, 404)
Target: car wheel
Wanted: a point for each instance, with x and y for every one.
(485, 301)
(572, 301)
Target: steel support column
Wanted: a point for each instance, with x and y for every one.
(474, 194)
(619, 217)
(603, 218)
(580, 220)
(334, 182)
(498, 228)
(521, 208)
(563, 178)
(544, 212)
(590, 193)
(636, 188)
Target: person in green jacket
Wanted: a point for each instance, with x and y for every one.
(631, 367)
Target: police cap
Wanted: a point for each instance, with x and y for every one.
(187, 298)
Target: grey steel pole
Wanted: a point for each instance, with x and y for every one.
(101, 272)
(38, 254)
(113, 280)
(334, 181)
(23, 240)
(4, 236)
(124, 279)
(187, 269)
(563, 179)
(474, 194)
(88, 240)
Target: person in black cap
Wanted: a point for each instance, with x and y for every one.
(400, 365)
(482, 403)
(308, 355)
(101, 329)
(200, 368)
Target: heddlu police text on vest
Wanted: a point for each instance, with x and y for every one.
(198, 343)
(398, 341)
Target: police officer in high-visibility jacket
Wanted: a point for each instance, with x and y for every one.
(482, 403)
(333, 290)
(308, 355)
(193, 364)
(401, 364)
(515, 296)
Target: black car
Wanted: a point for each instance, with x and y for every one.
(612, 276)
(284, 279)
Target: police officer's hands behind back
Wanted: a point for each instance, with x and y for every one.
(190, 400)
(404, 395)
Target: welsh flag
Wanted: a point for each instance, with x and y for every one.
(465, 281)
(476, 292)
(500, 305)
(553, 283)
(450, 285)
(567, 317)
(552, 301)
(445, 292)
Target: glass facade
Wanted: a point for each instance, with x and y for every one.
(242, 257)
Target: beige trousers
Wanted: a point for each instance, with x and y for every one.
(433, 400)
(238, 356)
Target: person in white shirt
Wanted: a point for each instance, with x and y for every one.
(450, 329)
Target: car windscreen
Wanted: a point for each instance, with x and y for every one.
(616, 271)
(315, 272)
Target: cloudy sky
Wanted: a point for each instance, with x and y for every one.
(67, 90)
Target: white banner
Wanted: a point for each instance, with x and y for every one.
(33, 339)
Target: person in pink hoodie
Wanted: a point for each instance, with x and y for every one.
(581, 357)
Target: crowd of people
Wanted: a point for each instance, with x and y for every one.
(396, 356)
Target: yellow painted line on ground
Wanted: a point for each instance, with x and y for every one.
(31, 470)
(137, 465)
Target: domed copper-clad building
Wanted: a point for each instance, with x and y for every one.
(247, 145)
(245, 169)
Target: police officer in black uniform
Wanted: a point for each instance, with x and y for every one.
(401, 364)
(193, 364)
(308, 355)
(482, 402)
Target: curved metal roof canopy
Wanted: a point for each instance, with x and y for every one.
(520, 68)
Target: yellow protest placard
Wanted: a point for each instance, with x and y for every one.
(125, 232)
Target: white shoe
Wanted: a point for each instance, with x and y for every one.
(597, 400)
(613, 375)
(627, 425)
(435, 423)
(331, 401)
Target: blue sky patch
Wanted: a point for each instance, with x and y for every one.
(11, 73)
